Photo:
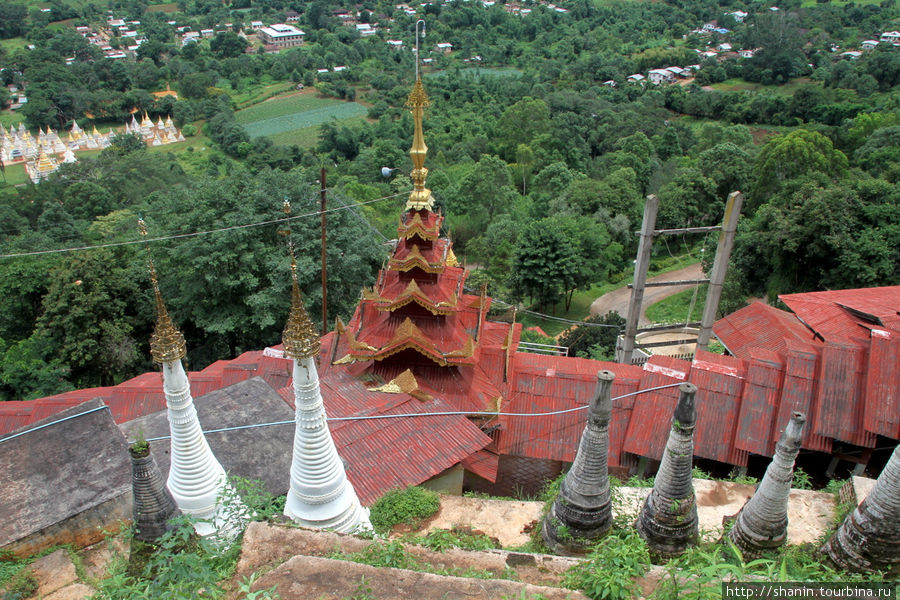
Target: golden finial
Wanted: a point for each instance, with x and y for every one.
(167, 343)
(420, 198)
(299, 336)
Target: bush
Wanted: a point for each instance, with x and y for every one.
(189, 130)
(611, 567)
(410, 506)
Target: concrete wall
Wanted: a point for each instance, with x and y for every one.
(83, 529)
(448, 482)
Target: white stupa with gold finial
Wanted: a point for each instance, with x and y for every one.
(320, 496)
(196, 479)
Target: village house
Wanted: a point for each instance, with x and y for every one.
(281, 35)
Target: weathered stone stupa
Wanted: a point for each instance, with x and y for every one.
(582, 514)
(153, 506)
(668, 520)
(869, 538)
(762, 523)
(320, 495)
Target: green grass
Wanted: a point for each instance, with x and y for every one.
(307, 137)
(677, 307)
(788, 89)
(9, 118)
(13, 44)
(170, 7)
(15, 174)
(260, 93)
(580, 308)
(493, 72)
(284, 121)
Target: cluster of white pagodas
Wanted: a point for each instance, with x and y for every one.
(320, 495)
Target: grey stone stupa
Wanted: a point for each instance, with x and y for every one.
(581, 514)
(762, 523)
(668, 519)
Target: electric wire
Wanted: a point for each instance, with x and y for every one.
(199, 233)
(356, 418)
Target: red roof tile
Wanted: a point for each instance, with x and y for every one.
(651, 418)
(759, 405)
(759, 326)
(882, 408)
(841, 314)
(719, 380)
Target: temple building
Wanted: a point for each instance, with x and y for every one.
(479, 413)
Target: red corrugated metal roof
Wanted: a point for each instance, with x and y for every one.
(484, 463)
(719, 381)
(759, 405)
(840, 314)
(759, 326)
(799, 392)
(839, 400)
(651, 417)
(882, 407)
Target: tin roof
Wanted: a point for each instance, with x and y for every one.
(759, 326)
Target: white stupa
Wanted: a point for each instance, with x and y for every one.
(196, 479)
(321, 496)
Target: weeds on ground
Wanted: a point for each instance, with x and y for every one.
(410, 506)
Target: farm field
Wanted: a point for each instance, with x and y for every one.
(481, 71)
(736, 85)
(289, 119)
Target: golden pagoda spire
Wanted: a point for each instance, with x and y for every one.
(299, 336)
(167, 343)
(420, 198)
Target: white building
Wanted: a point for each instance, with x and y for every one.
(869, 44)
(738, 15)
(891, 37)
(281, 35)
(658, 76)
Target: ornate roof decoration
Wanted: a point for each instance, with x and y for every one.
(412, 293)
(451, 258)
(166, 343)
(420, 198)
(408, 336)
(415, 260)
(299, 336)
(404, 383)
(416, 226)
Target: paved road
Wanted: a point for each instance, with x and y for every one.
(617, 300)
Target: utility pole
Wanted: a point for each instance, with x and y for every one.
(324, 266)
(642, 265)
(720, 267)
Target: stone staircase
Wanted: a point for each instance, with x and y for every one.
(298, 564)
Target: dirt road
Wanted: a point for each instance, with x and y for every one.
(617, 300)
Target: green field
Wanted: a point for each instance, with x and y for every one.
(15, 174)
(788, 89)
(13, 44)
(677, 307)
(308, 136)
(289, 119)
(11, 119)
(170, 7)
(498, 72)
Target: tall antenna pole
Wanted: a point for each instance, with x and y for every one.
(422, 21)
(324, 269)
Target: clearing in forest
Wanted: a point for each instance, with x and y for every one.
(282, 118)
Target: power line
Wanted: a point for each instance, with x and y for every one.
(357, 418)
(199, 233)
(432, 414)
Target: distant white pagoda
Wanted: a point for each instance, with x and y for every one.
(321, 496)
(196, 479)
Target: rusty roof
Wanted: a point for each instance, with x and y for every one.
(759, 325)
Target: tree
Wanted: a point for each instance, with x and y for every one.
(520, 124)
(729, 166)
(13, 20)
(228, 44)
(595, 340)
(797, 153)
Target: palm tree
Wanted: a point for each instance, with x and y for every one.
(668, 520)
(762, 523)
(869, 538)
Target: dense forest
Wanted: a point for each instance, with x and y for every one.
(541, 153)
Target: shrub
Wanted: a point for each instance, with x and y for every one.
(189, 130)
(410, 506)
(611, 567)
